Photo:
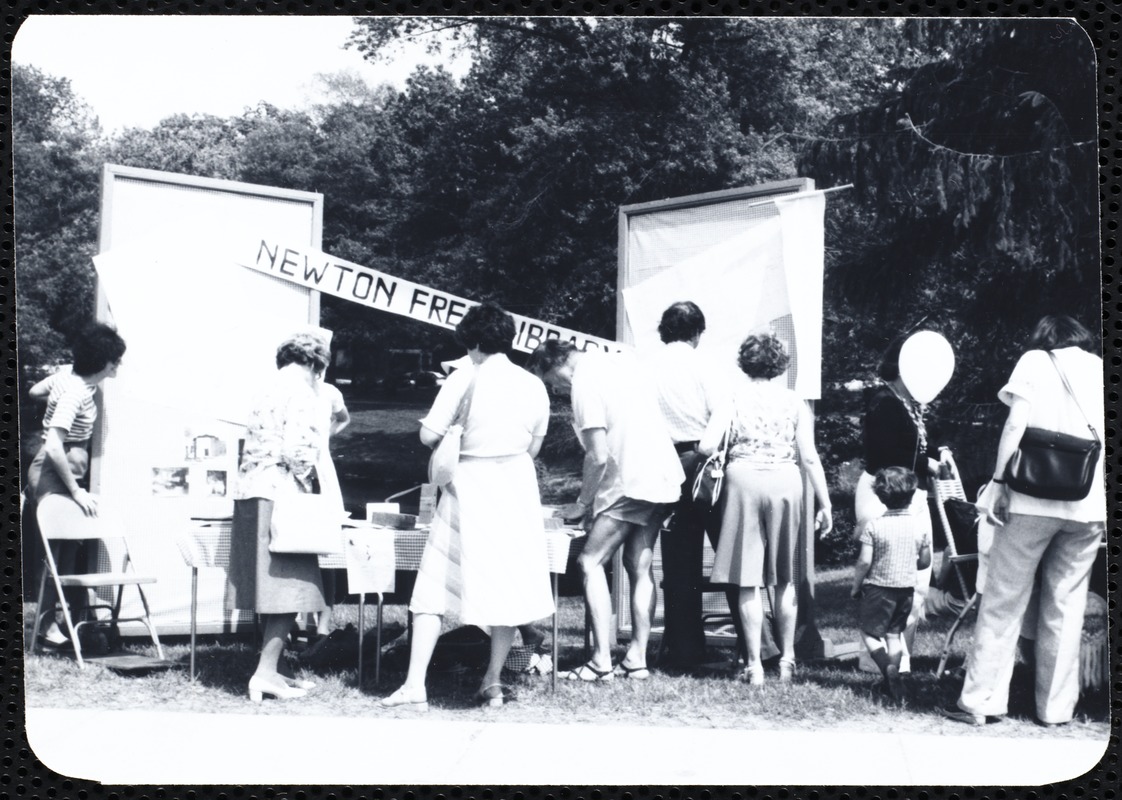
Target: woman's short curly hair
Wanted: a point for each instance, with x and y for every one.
(95, 348)
(307, 349)
(763, 355)
(487, 327)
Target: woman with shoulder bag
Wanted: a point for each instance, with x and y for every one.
(485, 559)
(1055, 387)
(283, 438)
(770, 447)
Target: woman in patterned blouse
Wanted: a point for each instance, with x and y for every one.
(283, 438)
(771, 445)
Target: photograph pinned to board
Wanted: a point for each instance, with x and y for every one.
(170, 481)
(203, 447)
(216, 482)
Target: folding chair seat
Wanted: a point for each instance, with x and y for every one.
(61, 519)
(957, 579)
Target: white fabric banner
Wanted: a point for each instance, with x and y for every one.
(802, 221)
(324, 273)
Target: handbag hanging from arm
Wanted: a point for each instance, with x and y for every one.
(1055, 466)
(446, 455)
(303, 522)
(710, 475)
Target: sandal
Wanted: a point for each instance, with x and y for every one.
(487, 700)
(634, 673)
(588, 674)
(753, 675)
(786, 671)
(399, 699)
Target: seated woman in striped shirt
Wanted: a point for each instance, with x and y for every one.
(60, 465)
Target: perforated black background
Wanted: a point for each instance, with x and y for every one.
(22, 775)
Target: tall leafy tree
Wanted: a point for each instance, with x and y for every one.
(57, 162)
(974, 211)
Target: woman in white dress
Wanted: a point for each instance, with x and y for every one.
(485, 560)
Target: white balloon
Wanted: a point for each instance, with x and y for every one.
(926, 365)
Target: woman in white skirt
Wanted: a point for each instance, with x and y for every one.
(485, 560)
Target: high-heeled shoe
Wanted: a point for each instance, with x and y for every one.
(259, 687)
(400, 699)
(485, 698)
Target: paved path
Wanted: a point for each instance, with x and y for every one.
(191, 748)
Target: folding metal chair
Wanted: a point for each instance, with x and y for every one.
(61, 519)
(958, 554)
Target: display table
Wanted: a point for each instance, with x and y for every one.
(206, 543)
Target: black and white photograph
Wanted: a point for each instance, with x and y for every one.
(216, 482)
(731, 391)
(170, 481)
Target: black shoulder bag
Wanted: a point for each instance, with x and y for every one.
(1055, 466)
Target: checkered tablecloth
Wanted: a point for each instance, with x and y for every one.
(207, 544)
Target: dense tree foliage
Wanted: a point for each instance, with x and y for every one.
(57, 164)
(974, 211)
(971, 144)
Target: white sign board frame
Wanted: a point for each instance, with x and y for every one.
(630, 276)
(201, 334)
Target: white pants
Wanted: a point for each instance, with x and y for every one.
(1065, 552)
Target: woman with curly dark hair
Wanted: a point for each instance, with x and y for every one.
(485, 559)
(771, 444)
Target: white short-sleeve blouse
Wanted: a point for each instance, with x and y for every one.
(509, 407)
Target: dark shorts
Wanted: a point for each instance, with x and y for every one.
(884, 609)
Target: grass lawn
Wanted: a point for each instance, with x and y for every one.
(825, 695)
(380, 454)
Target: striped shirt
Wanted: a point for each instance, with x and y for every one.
(70, 406)
(897, 541)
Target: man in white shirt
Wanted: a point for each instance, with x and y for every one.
(630, 475)
(688, 392)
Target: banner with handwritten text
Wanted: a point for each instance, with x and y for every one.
(369, 287)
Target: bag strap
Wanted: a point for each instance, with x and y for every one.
(1056, 364)
(726, 440)
(464, 409)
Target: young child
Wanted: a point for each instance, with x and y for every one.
(893, 548)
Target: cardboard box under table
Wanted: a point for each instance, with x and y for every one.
(206, 543)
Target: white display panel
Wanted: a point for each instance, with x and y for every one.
(202, 335)
(748, 269)
(727, 252)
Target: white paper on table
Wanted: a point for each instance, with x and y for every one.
(370, 560)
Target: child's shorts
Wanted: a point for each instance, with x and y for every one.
(884, 609)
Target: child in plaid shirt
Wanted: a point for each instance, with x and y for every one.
(893, 548)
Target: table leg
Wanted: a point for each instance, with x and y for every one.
(194, 615)
(378, 641)
(553, 677)
(361, 631)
